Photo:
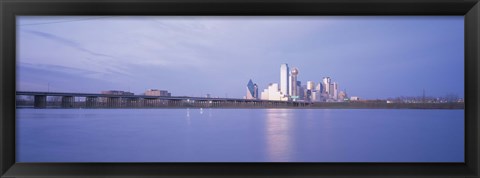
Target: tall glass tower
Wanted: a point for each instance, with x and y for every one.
(284, 83)
(326, 82)
(252, 90)
(294, 83)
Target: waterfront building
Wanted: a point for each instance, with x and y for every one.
(284, 82)
(294, 93)
(156, 92)
(252, 90)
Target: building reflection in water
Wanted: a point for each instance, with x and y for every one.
(278, 133)
(188, 117)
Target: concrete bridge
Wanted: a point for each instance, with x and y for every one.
(93, 100)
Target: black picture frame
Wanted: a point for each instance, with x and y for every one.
(470, 9)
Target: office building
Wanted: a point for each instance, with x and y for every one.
(301, 90)
(310, 85)
(255, 89)
(290, 85)
(320, 87)
(308, 95)
(315, 96)
(326, 83)
(335, 90)
(342, 96)
(284, 76)
(264, 94)
(294, 74)
(252, 90)
(272, 93)
(330, 89)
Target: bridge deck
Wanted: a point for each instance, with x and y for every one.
(34, 93)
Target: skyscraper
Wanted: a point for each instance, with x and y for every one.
(284, 83)
(301, 90)
(255, 89)
(326, 83)
(335, 90)
(252, 90)
(331, 90)
(320, 87)
(290, 85)
(310, 85)
(294, 82)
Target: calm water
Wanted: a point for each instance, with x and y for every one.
(239, 135)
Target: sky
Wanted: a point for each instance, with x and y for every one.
(373, 57)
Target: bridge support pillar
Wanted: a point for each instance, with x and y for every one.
(113, 102)
(132, 102)
(147, 102)
(68, 101)
(40, 101)
(91, 102)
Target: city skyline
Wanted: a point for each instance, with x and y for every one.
(195, 56)
(291, 89)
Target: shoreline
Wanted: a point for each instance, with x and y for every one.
(442, 106)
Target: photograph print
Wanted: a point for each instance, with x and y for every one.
(240, 89)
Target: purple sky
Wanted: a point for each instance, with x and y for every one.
(371, 57)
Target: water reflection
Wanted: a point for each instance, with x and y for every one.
(189, 122)
(279, 130)
(327, 133)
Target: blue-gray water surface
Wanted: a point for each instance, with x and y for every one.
(239, 135)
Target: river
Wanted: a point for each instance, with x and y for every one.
(239, 135)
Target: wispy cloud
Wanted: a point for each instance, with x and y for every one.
(66, 42)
